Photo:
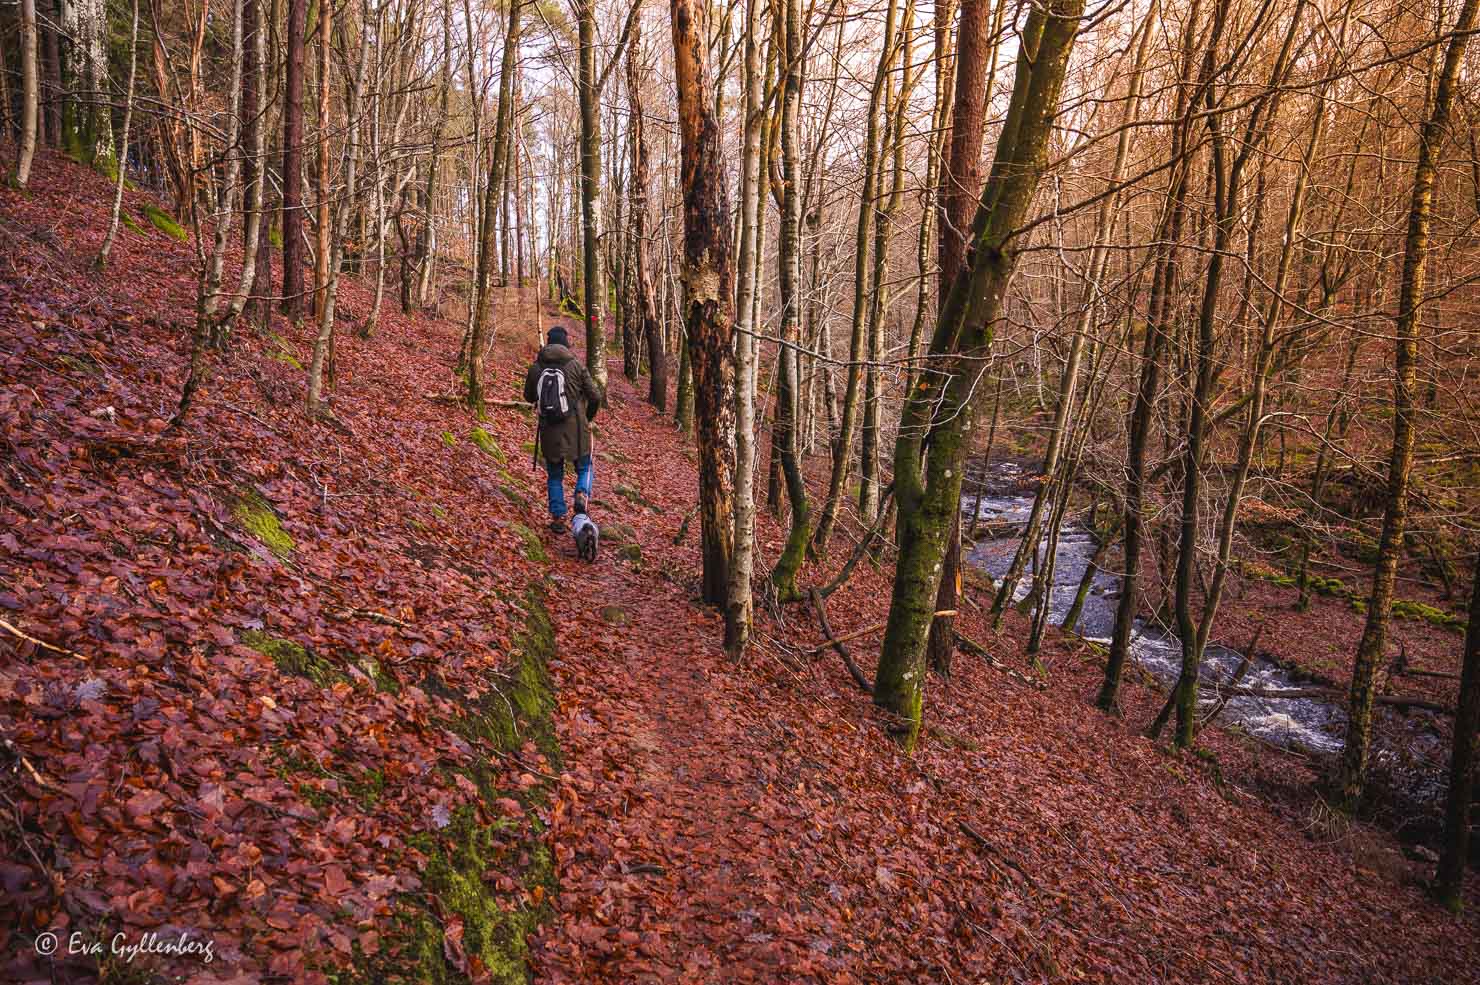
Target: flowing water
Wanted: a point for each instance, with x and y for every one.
(1309, 725)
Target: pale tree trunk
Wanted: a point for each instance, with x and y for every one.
(707, 311)
(128, 117)
(30, 97)
(784, 574)
(232, 153)
(1371, 649)
(427, 244)
(739, 609)
(503, 123)
(880, 299)
(927, 475)
(254, 191)
(325, 273)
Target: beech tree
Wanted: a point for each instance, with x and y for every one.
(930, 451)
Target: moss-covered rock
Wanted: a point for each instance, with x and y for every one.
(257, 518)
(630, 553)
(534, 548)
(292, 658)
(165, 223)
(487, 445)
(1412, 609)
(614, 615)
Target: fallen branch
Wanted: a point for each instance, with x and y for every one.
(867, 630)
(41, 643)
(858, 676)
(1008, 860)
(1331, 693)
(373, 616)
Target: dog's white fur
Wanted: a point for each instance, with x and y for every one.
(585, 531)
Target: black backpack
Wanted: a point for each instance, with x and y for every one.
(554, 405)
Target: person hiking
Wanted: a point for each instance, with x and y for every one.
(566, 400)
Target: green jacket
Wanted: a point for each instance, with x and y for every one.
(569, 439)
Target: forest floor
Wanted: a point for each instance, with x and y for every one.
(290, 687)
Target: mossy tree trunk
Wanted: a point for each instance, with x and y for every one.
(931, 447)
(960, 182)
(784, 574)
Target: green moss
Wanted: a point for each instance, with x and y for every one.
(634, 496)
(284, 356)
(294, 659)
(487, 445)
(275, 237)
(385, 682)
(439, 512)
(534, 550)
(460, 856)
(258, 519)
(630, 552)
(129, 222)
(449, 439)
(614, 614)
(367, 788)
(1411, 609)
(165, 223)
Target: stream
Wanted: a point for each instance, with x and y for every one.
(1308, 725)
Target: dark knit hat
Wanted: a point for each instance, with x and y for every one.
(557, 336)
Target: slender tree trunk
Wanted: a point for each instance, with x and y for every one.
(30, 96)
(1371, 649)
(292, 223)
(503, 124)
(325, 273)
(784, 574)
(739, 609)
(1099, 255)
(858, 342)
(232, 153)
(1143, 410)
(594, 282)
(707, 299)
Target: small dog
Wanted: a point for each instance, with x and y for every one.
(585, 531)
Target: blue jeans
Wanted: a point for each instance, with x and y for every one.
(556, 483)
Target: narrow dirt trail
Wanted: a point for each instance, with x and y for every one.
(666, 770)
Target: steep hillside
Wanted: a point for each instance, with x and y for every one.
(330, 698)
